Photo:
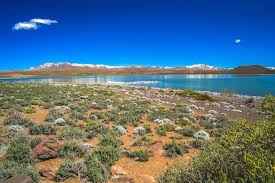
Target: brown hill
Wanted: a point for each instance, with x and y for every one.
(251, 69)
(72, 70)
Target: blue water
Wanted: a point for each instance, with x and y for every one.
(257, 85)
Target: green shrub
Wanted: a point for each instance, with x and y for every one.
(10, 168)
(173, 149)
(110, 139)
(65, 171)
(140, 155)
(19, 150)
(245, 153)
(142, 140)
(268, 104)
(96, 171)
(161, 130)
(70, 149)
(17, 118)
(69, 133)
(93, 128)
(198, 143)
(107, 155)
(45, 129)
(29, 110)
(195, 95)
(188, 132)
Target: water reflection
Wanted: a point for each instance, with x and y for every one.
(249, 85)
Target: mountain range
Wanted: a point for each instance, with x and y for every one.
(68, 68)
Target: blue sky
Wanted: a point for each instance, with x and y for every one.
(224, 33)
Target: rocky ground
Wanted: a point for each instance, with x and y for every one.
(156, 128)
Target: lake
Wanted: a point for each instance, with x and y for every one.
(257, 85)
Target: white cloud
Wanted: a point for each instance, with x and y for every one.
(43, 21)
(237, 41)
(25, 26)
(33, 24)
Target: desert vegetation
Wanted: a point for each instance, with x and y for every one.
(101, 133)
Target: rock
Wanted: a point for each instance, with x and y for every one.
(62, 109)
(158, 121)
(84, 97)
(237, 110)
(163, 121)
(47, 173)
(93, 105)
(193, 106)
(201, 135)
(139, 130)
(19, 179)
(47, 149)
(178, 129)
(93, 117)
(60, 121)
(120, 129)
(109, 101)
(86, 147)
(212, 112)
(187, 109)
(14, 129)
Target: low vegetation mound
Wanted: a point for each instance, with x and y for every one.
(246, 153)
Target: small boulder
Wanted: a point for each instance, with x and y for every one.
(59, 121)
(86, 147)
(201, 135)
(120, 129)
(93, 117)
(47, 149)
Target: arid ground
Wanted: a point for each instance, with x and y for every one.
(147, 130)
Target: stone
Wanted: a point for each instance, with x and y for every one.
(86, 147)
(19, 179)
(163, 121)
(62, 109)
(193, 106)
(84, 97)
(237, 110)
(120, 129)
(178, 129)
(201, 135)
(93, 117)
(13, 129)
(60, 121)
(47, 149)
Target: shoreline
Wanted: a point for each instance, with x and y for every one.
(126, 85)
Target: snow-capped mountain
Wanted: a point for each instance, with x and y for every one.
(63, 65)
(202, 67)
(50, 65)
